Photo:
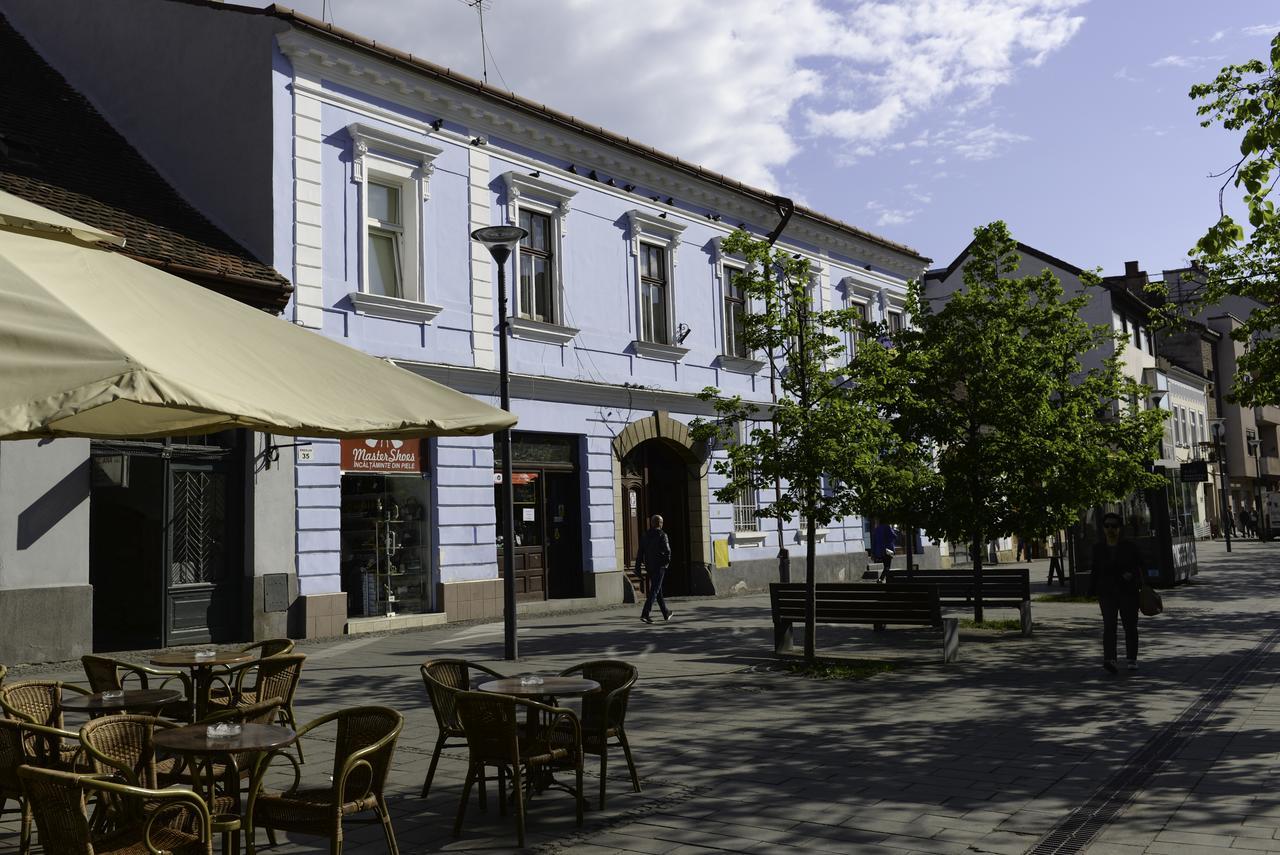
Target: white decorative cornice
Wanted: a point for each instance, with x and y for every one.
(554, 196)
(654, 350)
(657, 230)
(527, 328)
(382, 306)
(366, 138)
(357, 70)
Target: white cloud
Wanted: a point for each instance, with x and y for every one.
(736, 88)
(1123, 74)
(891, 216)
(985, 143)
(1267, 30)
(1177, 61)
(1217, 37)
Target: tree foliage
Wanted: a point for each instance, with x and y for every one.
(828, 446)
(1246, 98)
(1022, 435)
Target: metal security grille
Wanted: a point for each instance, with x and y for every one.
(1086, 822)
(197, 527)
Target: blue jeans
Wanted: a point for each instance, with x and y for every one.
(656, 578)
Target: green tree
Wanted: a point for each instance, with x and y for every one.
(828, 447)
(1022, 435)
(1246, 98)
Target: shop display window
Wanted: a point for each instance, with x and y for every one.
(386, 568)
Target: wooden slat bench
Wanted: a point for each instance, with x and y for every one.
(1002, 587)
(852, 603)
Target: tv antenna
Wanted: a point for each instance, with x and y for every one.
(480, 6)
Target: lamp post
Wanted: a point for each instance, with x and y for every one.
(501, 241)
(1255, 451)
(1219, 429)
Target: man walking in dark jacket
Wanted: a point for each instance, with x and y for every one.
(655, 555)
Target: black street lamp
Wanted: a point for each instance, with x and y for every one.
(1218, 427)
(1255, 451)
(501, 241)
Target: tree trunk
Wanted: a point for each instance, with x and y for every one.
(977, 576)
(911, 548)
(810, 595)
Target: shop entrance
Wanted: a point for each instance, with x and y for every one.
(548, 521)
(656, 480)
(166, 551)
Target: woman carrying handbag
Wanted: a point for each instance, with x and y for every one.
(1117, 581)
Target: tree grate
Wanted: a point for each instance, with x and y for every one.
(1080, 827)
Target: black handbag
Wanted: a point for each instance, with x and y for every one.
(1149, 601)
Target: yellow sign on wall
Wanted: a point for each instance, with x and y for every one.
(721, 548)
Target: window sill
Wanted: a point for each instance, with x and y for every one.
(740, 364)
(819, 535)
(539, 331)
(749, 538)
(664, 352)
(393, 307)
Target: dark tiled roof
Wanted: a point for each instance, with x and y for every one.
(56, 150)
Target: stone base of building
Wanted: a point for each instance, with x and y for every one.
(482, 600)
(273, 596)
(320, 615)
(46, 624)
(357, 626)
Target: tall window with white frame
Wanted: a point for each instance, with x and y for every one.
(654, 325)
(384, 230)
(735, 310)
(537, 268)
(895, 320)
(860, 317)
(744, 504)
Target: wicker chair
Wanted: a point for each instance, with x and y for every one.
(107, 674)
(4, 672)
(269, 647)
(122, 745)
(274, 677)
(604, 713)
(12, 756)
(497, 737)
(365, 743)
(58, 801)
(444, 679)
(39, 703)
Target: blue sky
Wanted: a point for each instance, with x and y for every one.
(916, 119)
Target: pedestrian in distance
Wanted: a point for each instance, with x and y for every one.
(1231, 523)
(655, 555)
(884, 545)
(1116, 579)
(1024, 548)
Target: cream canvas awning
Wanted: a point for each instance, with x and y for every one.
(95, 344)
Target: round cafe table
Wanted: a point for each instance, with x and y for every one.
(128, 701)
(549, 687)
(194, 741)
(201, 672)
(571, 687)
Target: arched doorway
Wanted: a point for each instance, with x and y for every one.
(658, 472)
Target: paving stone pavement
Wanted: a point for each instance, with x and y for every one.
(987, 754)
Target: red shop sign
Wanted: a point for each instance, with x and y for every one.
(382, 455)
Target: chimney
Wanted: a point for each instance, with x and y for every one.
(1131, 269)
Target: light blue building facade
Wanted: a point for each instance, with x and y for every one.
(377, 167)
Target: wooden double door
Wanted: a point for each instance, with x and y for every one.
(655, 480)
(548, 532)
(166, 543)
